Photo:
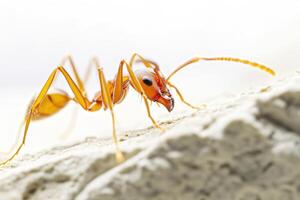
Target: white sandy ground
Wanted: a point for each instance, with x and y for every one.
(244, 147)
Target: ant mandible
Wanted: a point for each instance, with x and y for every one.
(150, 83)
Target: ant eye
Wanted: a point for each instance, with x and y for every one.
(147, 81)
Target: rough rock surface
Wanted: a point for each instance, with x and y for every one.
(243, 148)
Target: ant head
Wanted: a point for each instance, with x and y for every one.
(155, 87)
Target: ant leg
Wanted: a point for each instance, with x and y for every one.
(79, 98)
(143, 60)
(68, 58)
(150, 116)
(121, 85)
(67, 132)
(88, 71)
(107, 101)
(77, 77)
(136, 85)
(246, 62)
(139, 88)
(16, 141)
(156, 66)
(182, 98)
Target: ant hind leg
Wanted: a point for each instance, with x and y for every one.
(35, 106)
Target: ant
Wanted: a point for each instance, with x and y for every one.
(150, 83)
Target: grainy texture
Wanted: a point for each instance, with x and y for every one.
(244, 148)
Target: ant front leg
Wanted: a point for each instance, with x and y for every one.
(121, 82)
(136, 84)
(141, 59)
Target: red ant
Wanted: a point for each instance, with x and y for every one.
(150, 83)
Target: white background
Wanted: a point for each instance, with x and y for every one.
(34, 35)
